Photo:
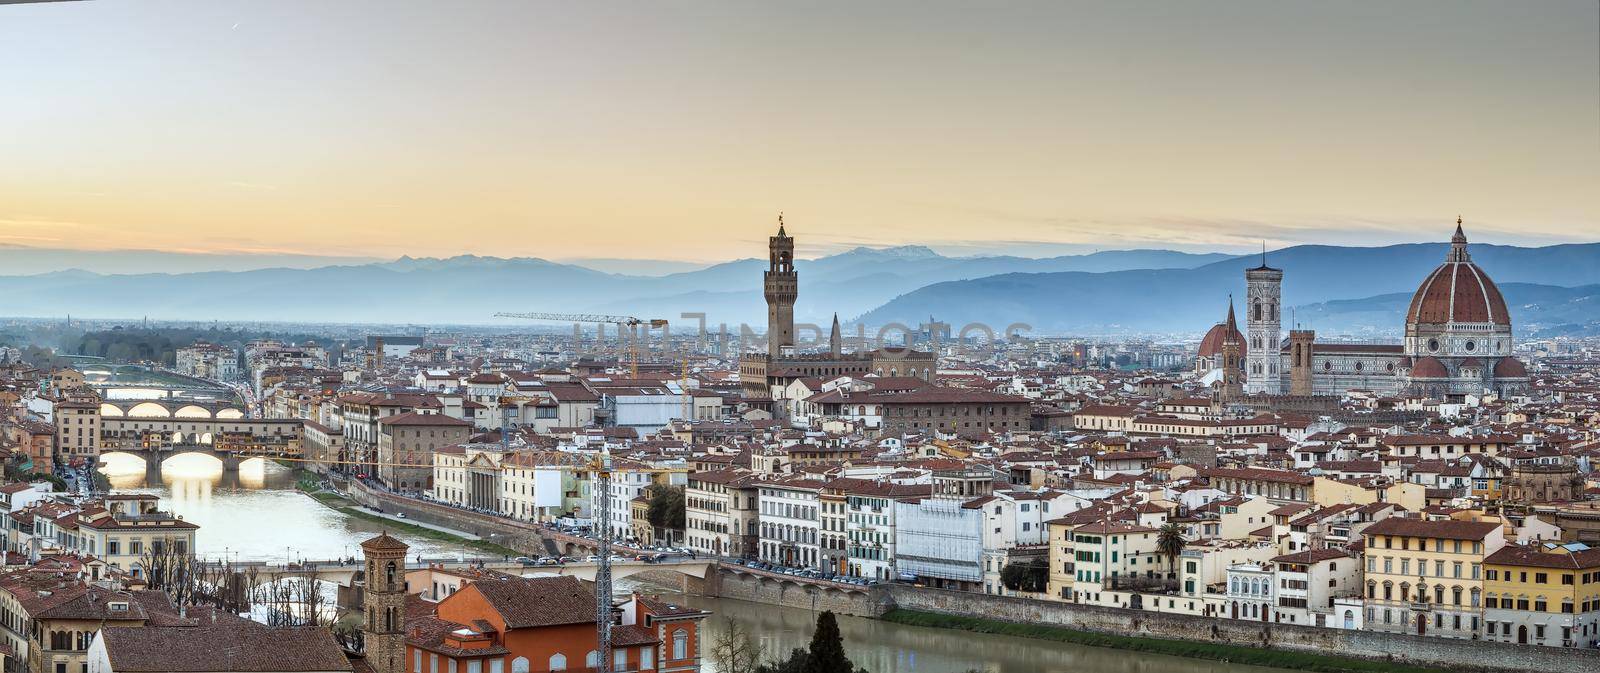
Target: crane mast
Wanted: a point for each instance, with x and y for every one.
(602, 571)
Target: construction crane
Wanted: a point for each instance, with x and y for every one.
(599, 466)
(625, 324)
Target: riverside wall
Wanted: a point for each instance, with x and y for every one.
(756, 588)
(1460, 655)
(524, 537)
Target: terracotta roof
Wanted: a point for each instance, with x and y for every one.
(1311, 556)
(1542, 557)
(235, 647)
(1458, 291)
(1448, 530)
(414, 418)
(1211, 345)
(1510, 368)
(1429, 367)
(539, 601)
(384, 542)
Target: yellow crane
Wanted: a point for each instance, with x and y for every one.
(626, 325)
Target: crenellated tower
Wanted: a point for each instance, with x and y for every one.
(782, 287)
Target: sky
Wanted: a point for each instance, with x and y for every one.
(679, 131)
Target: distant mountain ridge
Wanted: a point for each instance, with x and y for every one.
(1191, 299)
(470, 288)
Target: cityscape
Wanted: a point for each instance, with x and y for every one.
(406, 337)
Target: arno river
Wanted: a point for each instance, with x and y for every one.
(260, 516)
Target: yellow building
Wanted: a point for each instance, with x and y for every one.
(1426, 577)
(1112, 560)
(639, 521)
(1545, 594)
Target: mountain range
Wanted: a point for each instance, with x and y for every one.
(1158, 300)
(469, 289)
(1352, 289)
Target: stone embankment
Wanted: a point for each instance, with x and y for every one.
(1461, 655)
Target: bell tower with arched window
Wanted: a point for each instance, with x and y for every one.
(384, 602)
(1264, 369)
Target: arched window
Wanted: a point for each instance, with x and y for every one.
(680, 644)
(388, 576)
(519, 665)
(558, 662)
(592, 659)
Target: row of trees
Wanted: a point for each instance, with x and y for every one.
(287, 598)
(733, 651)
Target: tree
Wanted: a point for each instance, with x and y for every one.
(1170, 542)
(827, 647)
(666, 510)
(1031, 577)
(732, 651)
(826, 654)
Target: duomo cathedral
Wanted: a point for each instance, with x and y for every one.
(1457, 343)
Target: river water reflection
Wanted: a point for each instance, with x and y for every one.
(255, 514)
(258, 515)
(885, 647)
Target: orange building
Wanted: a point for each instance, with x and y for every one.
(539, 624)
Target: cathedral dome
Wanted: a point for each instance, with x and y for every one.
(1429, 368)
(1458, 292)
(1510, 368)
(1211, 345)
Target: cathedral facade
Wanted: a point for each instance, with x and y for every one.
(1457, 341)
(763, 375)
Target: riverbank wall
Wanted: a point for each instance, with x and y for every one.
(1459, 655)
(754, 588)
(525, 538)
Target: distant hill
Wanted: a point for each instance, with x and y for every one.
(1189, 300)
(469, 289)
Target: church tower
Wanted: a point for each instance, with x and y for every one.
(1232, 360)
(1302, 380)
(1263, 357)
(835, 339)
(384, 603)
(782, 287)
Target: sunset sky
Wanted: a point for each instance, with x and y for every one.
(679, 130)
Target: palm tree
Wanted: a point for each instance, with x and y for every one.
(1169, 541)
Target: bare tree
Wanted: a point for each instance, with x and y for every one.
(733, 651)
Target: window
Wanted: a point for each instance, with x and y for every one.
(680, 644)
(558, 662)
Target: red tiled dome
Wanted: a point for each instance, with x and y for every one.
(1429, 367)
(1458, 291)
(1211, 345)
(1510, 368)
